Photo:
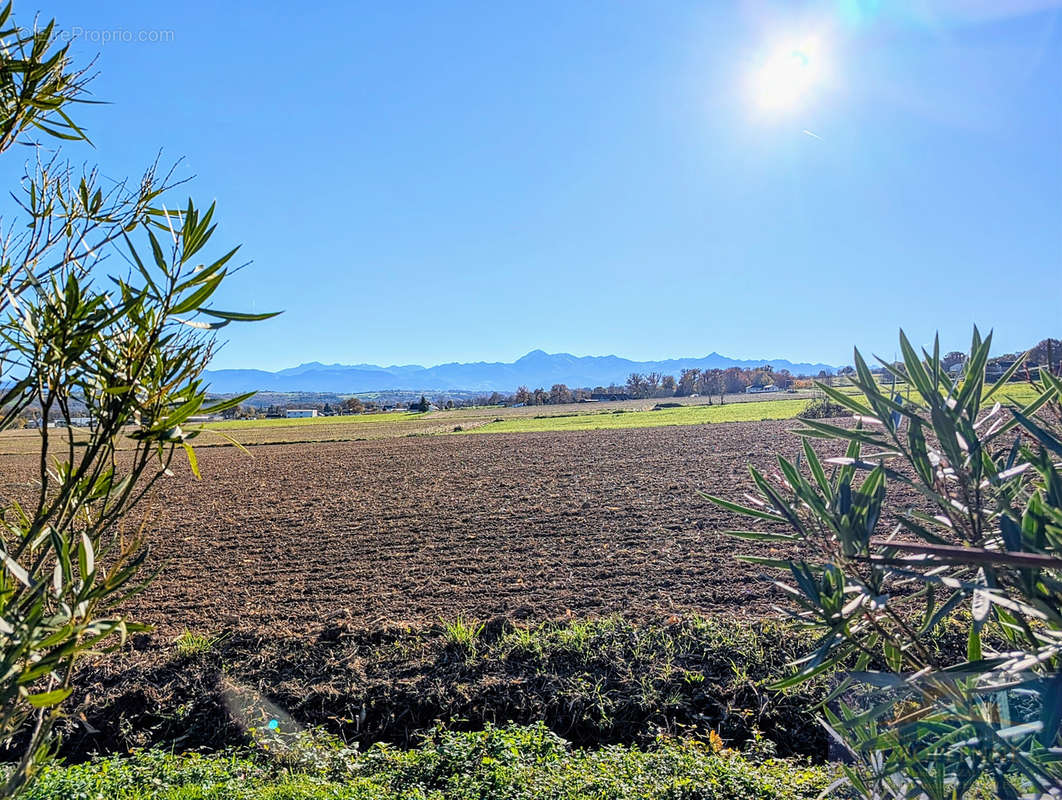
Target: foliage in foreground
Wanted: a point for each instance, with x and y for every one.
(984, 549)
(513, 763)
(128, 355)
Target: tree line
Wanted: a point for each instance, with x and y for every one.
(690, 382)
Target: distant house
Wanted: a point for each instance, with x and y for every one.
(298, 413)
(994, 370)
(761, 389)
(81, 422)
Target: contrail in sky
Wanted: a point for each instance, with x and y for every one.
(815, 135)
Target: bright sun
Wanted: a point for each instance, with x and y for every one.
(788, 76)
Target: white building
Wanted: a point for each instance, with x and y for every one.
(295, 413)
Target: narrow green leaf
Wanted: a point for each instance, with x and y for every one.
(47, 699)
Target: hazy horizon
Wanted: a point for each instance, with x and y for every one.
(533, 352)
(465, 183)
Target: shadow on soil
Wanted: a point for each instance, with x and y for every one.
(593, 682)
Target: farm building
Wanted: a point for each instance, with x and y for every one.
(761, 389)
(296, 413)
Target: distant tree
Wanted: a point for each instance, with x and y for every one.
(494, 399)
(1049, 353)
(578, 395)
(560, 394)
(735, 380)
(539, 397)
(652, 384)
(687, 382)
(522, 396)
(761, 378)
(668, 386)
(422, 405)
(637, 385)
(711, 383)
(449, 405)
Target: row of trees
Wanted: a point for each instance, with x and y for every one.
(709, 382)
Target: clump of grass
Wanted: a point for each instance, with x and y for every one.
(191, 643)
(463, 634)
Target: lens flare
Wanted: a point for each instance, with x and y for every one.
(788, 76)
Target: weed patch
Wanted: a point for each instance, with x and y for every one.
(517, 763)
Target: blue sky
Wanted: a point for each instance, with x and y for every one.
(430, 182)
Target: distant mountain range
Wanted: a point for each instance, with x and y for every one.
(535, 369)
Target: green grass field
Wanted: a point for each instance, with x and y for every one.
(1014, 393)
(685, 415)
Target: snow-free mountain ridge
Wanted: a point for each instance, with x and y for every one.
(535, 369)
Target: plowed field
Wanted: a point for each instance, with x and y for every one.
(410, 530)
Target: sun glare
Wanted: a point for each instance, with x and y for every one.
(788, 76)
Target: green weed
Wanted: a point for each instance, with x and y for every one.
(190, 644)
(515, 762)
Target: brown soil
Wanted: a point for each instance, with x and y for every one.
(410, 530)
(299, 552)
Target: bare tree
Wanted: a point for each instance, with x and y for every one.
(637, 386)
(652, 384)
(712, 383)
